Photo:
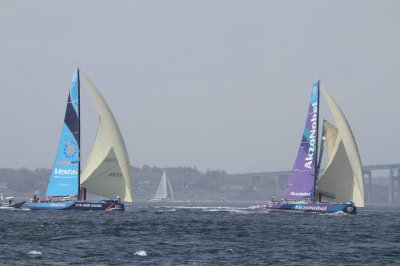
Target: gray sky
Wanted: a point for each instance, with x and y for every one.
(212, 84)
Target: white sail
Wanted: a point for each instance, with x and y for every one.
(162, 190)
(170, 189)
(343, 175)
(331, 135)
(107, 170)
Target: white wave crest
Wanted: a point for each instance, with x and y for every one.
(34, 253)
(141, 253)
(259, 206)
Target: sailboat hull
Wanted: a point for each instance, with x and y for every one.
(347, 207)
(104, 205)
(12, 206)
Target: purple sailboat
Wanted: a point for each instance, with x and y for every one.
(340, 187)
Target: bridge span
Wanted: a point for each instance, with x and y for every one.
(378, 171)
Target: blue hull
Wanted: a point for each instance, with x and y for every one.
(313, 207)
(104, 205)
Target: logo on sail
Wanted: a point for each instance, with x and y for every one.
(312, 138)
(65, 171)
(70, 149)
(115, 174)
(301, 194)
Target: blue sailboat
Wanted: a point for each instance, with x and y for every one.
(107, 170)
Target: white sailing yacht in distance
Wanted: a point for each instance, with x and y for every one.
(162, 190)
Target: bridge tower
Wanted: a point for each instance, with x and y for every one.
(394, 183)
(368, 185)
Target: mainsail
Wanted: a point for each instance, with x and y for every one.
(301, 183)
(343, 175)
(107, 171)
(162, 190)
(64, 177)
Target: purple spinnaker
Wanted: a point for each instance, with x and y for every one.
(301, 183)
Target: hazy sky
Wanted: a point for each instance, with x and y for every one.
(212, 84)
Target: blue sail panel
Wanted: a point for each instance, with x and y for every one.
(64, 179)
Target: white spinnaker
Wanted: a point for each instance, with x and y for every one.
(331, 135)
(343, 175)
(161, 192)
(107, 171)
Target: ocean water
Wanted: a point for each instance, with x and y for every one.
(199, 234)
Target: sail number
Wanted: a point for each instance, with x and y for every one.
(115, 174)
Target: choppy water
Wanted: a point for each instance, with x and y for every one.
(199, 234)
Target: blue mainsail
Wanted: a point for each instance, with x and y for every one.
(64, 179)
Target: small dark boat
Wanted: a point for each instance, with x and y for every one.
(9, 203)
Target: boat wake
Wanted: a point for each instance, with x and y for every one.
(13, 209)
(339, 213)
(258, 206)
(237, 210)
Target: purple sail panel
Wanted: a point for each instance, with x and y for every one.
(301, 182)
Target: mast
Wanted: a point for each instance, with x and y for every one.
(316, 151)
(321, 150)
(79, 134)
